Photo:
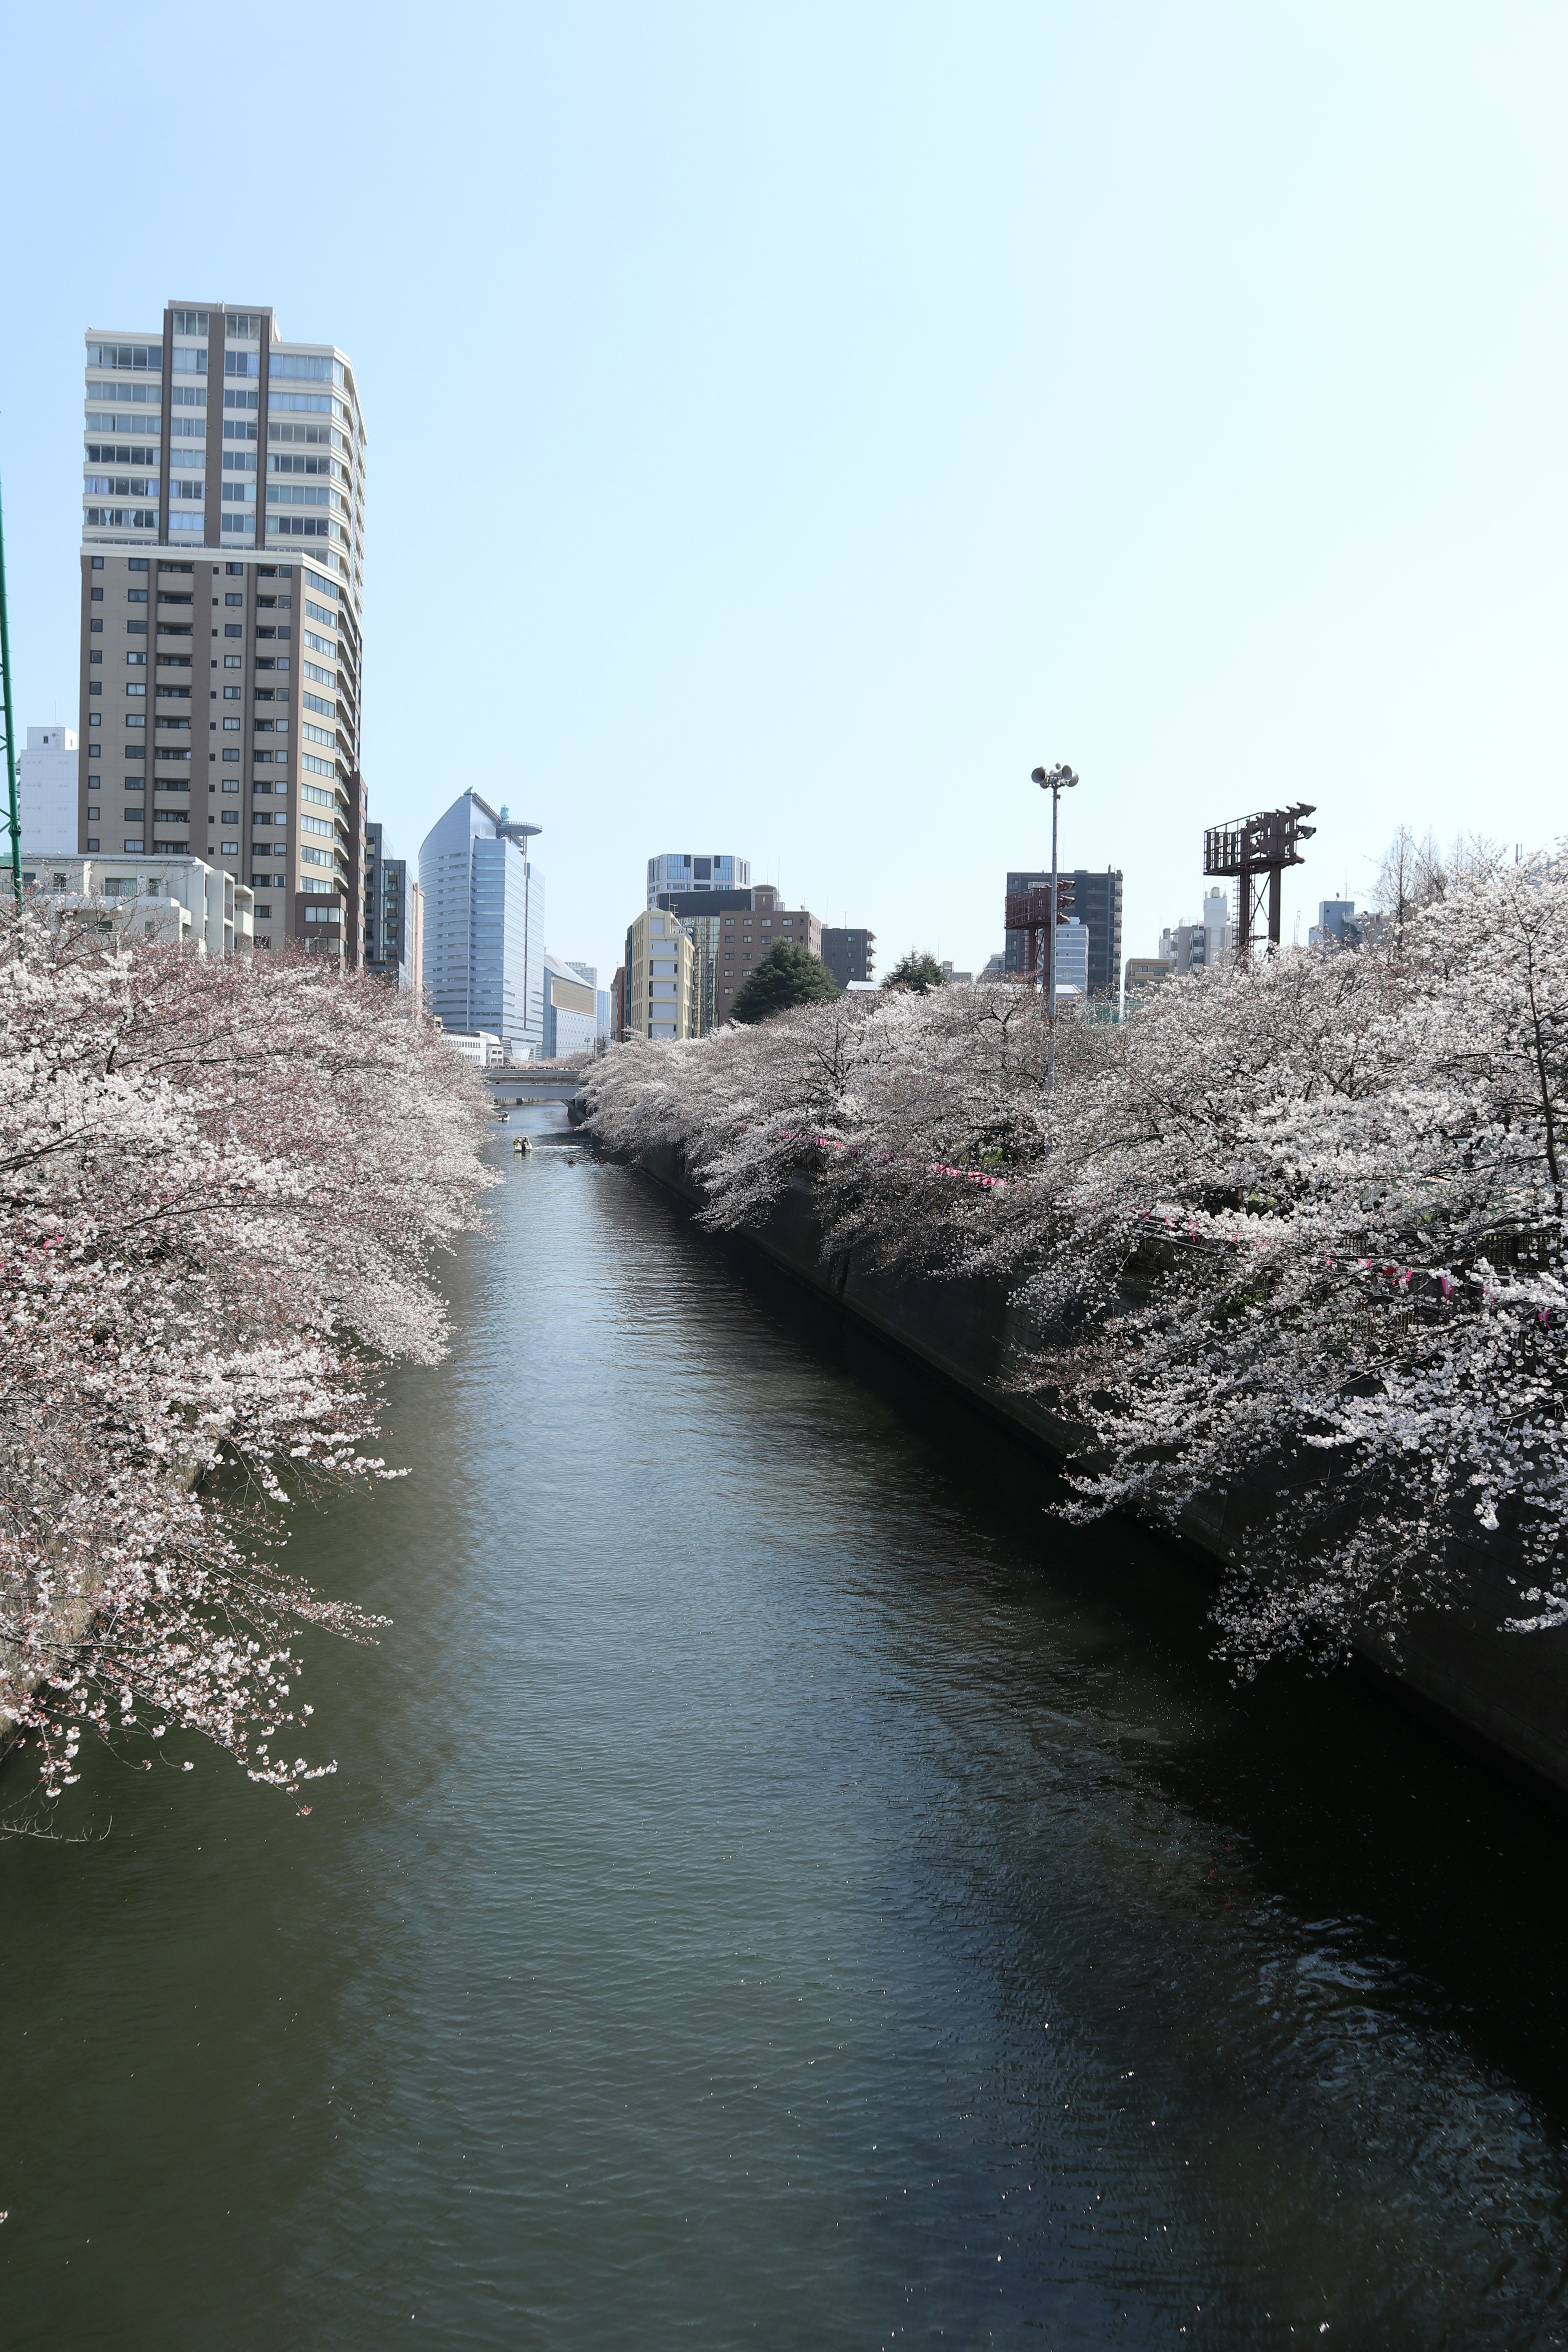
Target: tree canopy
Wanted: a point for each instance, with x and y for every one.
(918, 970)
(1296, 1234)
(222, 1182)
(787, 975)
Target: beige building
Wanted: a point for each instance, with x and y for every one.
(222, 555)
(1145, 975)
(744, 940)
(663, 981)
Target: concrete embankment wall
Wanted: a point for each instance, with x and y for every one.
(1504, 1693)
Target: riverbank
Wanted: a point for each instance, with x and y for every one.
(1504, 1695)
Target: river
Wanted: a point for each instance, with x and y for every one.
(779, 1889)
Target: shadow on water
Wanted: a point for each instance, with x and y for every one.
(1319, 1787)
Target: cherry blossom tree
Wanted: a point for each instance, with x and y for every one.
(224, 1183)
(1289, 1241)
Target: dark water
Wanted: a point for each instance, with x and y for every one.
(777, 1891)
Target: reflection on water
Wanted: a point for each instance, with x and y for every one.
(779, 1889)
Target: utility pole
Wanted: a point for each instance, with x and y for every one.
(1057, 781)
(10, 726)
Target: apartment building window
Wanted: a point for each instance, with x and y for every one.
(146, 356)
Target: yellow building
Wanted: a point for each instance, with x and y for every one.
(663, 993)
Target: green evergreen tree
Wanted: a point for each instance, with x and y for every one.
(917, 971)
(788, 974)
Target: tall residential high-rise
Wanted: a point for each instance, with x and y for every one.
(1095, 900)
(681, 870)
(223, 490)
(45, 793)
(484, 926)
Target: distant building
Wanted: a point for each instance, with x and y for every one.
(589, 975)
(732, 930)
(484, 926)
(849, 955)
(661, 986)
(393, 916)
(1072, 956)
(1095, 902)
(619, 1005)
(570, 1007)
(1336, 925)
(177, 901)
(702, 913)
(948, 972)
(746, 937)
(995, 968)
(46, 794)
(414, 965)
(681, 870)
(1145, 975)
(481, 1046)
(1198, 947)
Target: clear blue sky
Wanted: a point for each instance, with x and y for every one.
(789, 425)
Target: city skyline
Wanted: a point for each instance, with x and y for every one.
(1229, 479)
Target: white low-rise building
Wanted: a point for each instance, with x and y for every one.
(182, 901)
(481, 1046)
(46, 791)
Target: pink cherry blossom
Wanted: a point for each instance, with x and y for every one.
(224, 1187)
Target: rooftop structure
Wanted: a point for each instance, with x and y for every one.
(1254, 851)
(686, 870)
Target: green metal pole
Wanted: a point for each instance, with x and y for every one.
(10, 726)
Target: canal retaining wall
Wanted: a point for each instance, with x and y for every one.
(1505, 1694)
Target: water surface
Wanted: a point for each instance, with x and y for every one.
(779, 1890)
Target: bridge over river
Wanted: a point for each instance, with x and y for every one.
(780, 1888)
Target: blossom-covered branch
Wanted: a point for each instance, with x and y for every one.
(1291, 1238)
(220, 1188)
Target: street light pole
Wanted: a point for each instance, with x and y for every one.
(1055, 780)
